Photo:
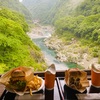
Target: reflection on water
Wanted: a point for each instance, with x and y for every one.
(50, 56)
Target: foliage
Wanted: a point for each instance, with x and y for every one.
(83, 24)
(99, 56)
(47, 11)
(66, 8)
(88, 7)
(17, 17)
(3, 68)
(17, 6)
(16, 48)
(42, 10)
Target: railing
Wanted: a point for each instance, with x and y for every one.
(58, 93)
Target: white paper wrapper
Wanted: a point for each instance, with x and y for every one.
(5, 78)
(76, 79)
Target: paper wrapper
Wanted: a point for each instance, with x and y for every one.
(76, 79)
(6, 77)
(50, 75)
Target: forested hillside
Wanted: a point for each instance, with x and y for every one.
(83, 25)
(89, 7)
(16, 48)
(42, 10)
(66, 8)
(17, 6)
(47, 11)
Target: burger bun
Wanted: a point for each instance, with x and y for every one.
(17, 73)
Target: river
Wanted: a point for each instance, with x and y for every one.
(49, 54)
(38, 35)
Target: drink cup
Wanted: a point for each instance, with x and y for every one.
(95, 76)
(50, 75)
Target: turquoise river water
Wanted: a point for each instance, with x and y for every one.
(50, 56)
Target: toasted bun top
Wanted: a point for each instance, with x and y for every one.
(73, 70)
(18, 73)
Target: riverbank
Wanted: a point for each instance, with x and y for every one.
(49, 55)
(71, 52)
(41, 32)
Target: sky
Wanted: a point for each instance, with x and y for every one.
(20, 0)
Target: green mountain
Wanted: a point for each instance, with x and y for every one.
(66, 8)
(83, 24)
(89, 7)
(42, 10)
(17, 6)
(16, 48)
(47, 11)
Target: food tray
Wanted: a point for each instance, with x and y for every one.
(71, 94)
(43, 94)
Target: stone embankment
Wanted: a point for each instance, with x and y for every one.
(70, 52)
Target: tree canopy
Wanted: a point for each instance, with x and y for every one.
(15, 5)
(83, 24)
(16, 48)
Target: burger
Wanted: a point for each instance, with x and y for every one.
(21, 80)
(18, 81)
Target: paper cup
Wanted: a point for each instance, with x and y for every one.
(95, 77)
(49, 81)
(50, 77)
